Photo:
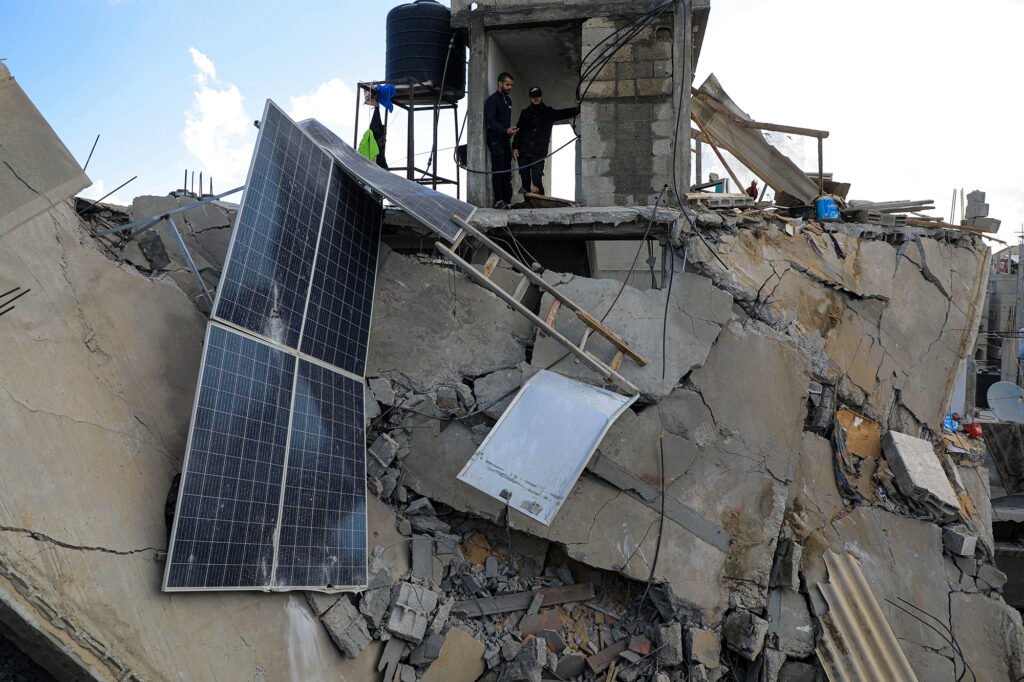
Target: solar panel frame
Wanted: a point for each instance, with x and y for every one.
(342, 566)
(430, 207)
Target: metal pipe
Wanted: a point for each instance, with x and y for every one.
(355, 129)
(410, 147)
(90, 206)
(188, 259)
(95, 142)
(821, 166)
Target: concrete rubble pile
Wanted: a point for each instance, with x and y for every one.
(692, 547)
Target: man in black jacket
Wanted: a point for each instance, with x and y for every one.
(498, 122)
(534, 137)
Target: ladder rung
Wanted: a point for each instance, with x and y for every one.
(586, 337)
(617, 361)
(492, 262)
(596, 325)
(552, 312)
(521, 288)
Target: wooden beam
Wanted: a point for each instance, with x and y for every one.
(521, 601)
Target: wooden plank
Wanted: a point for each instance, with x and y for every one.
(598, 366)
(596, 325)
(605, 657)
(492, 262)
(586, 337)
(521, 601)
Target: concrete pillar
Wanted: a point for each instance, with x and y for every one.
(477, 184)
(682, 63)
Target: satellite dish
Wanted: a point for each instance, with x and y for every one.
(1007, 401)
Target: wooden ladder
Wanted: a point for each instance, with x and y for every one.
(609, 372)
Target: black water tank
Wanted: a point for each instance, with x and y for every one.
(418, 35)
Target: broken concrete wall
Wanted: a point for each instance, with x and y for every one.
(628, 117)
(887, 324)
(97, 390)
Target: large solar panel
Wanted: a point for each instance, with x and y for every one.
(273, 491)
(432, 208)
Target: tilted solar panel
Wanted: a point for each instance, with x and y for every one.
(273, 492)
(430, 207)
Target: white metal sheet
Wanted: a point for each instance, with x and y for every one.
(535, 453)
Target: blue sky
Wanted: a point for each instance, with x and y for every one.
(920, 96)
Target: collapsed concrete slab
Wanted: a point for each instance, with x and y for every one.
(919, 475)
(37, 171)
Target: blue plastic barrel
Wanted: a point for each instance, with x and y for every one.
(828, 209)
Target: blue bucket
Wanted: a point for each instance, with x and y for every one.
(827, 209)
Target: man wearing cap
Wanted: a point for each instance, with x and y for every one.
(498, 122)
(533, 138)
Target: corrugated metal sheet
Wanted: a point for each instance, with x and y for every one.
(747, 144)
(857, 643)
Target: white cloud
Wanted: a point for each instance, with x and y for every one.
(98, 189)
(218, 130)
(332, 103)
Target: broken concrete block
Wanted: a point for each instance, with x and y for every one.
(919, 474)
(988, 224)
(958, 540)
(571, 666)
(393, 652)
(796, 627)
(744, 633)
(703, 646)
(496, 390)
(411, 606)
(320, 602)
(406, 673)
(795, 671)
(979, 210)
(461, 659)
(991, 576)
(447, 398)
(382, 391)
(347, 627)
(528, 666)
(441, 617)
(773, 662)
(423, 557)
(789, 566)
(975, 197)
(510, 648)
(427, 651)
(371, 410)
(381, 454)
(670, 644)
(420, 506)
(374, 604)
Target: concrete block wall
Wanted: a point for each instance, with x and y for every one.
(628, 117)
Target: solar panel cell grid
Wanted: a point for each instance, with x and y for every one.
(264, 286)
(231, 485)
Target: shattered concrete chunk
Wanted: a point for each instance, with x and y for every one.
(393, 652)
(958, 540)
(496, 390)
(461, 659)
(670, 644)
(991, 576)
(704, 646)
(427, 651)
(374, 604)
(382, 391)
(796, 629)
(744, 633)
(381, 454)
(919, 474)
(347, 627)
(510, 648)
(423, 557)
(795, 671)
(411, 607)
(773, 662)
(320, 602)
(420, 506)
(528, 665)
